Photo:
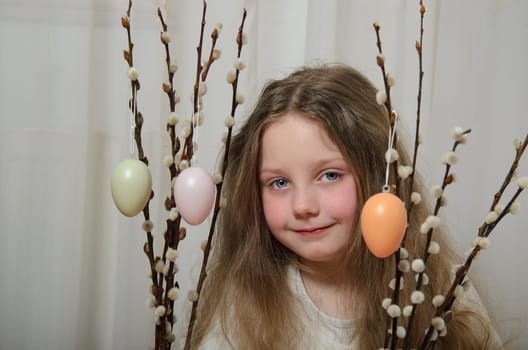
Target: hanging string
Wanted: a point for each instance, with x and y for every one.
(194, 137)
(133, 109)
(392, 134)
(195, 121)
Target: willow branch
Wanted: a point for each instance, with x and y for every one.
(419, 46)
(138, 119)
(392, 116)
(446, 180)
(483, 233)
(217, 206)
(507, 179)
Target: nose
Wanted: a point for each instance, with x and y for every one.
(305, 203)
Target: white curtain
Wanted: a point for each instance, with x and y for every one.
(72, 271)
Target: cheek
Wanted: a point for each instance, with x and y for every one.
(274, 211)
(343, 204)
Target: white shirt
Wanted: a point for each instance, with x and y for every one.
(323, 332)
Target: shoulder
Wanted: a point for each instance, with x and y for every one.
(215, 339)
(471, 300)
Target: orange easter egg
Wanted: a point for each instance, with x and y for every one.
(383, 223)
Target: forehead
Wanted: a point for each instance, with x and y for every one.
(299, 122)
(296, 134)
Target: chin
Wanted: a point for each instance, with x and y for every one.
(319, 257)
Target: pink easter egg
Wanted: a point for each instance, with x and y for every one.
(194, 193)
(383, 223)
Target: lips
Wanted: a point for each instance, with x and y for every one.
(312, 231)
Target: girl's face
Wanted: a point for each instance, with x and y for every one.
(308, 190)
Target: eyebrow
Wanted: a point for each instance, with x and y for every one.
(263, 173)
(317, 164)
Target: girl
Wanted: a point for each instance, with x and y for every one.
(290, 267)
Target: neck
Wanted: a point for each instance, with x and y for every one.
(324, 273)
(327, 287)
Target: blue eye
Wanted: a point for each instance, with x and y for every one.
(279, 183)
(331, 176)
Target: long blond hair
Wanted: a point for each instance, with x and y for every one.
(246, 291)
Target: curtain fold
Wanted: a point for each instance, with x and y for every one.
(72, 271)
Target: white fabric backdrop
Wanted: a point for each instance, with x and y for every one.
(72, 271)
